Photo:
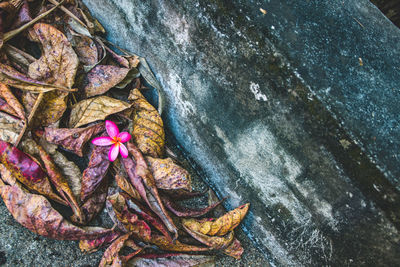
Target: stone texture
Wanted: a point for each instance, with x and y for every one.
(276, 109)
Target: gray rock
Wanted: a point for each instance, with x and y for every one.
(275, 109)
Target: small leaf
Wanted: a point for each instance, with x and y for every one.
(94, 109)
(148, 126)
(220, 226)
(168, 175)
(102, 78)
(72, 139)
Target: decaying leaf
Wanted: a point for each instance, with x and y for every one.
(234, 250)
(188, 212)
(72, 139)
(111, 256)
(168, 175)
(172, 260)
(90, 246)
(215, 242)
(27, 171)
(121, 178)
(124, 61)
(8, 96)
(148, 126)
(220, 226)
(4, 106)
(94, 109)
(60, 183)
(86, 50)
(144, 183)
(10, 128)
(102, 78)
(58, 63)
(36, 213)
(163, 243)
(95, 171)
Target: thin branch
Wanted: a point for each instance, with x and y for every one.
(69, 13)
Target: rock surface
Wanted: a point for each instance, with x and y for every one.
(276, 109)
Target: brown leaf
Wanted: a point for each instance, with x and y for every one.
(72, 139)
(130, 76)
(90, 246)
(163, 243)
(220, 226)
(188, 212)
(172, 260)
(4, 106)
(215, 242)
(86, 50)
(124, 61)
(95, 171)
(111, 255)
(60, 183)
(102, 78)
(234, 250)
(144, 183)
(36, 213)
(94, 109)
(121, 178)
(8, 96)
(148, 127)
(27, 171)
(10, 128)
(168, 175)
(58, 63)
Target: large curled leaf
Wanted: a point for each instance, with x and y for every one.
(215, 242)
(144, 183)
(172, 260)
(8, 96)
(27, 171)
(36, 213)
(220, 226)
(58, 63)
(94, 109)
(148, 130)
(95, 171)
(72, 139)
(168, 175)
(163, 243)
(181, 211)
(102, 78)
(10, 128)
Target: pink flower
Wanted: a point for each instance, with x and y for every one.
(115, 139)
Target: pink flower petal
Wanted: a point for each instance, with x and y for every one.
(113, 153)
(123, 150)
(102, 141)
(124, 137)
(112, 129)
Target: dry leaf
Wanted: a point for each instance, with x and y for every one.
(102, 78)
(148, 126)
(111, 255)
(220, 226)
(163, 243)
(94, 109)
(10, 128)
(234, 250)
(4, 106)
(93, 245)
(168, 175)
(72, 139)
(8, 96)
(185, 211)
(51, 108)
(121, 178)
(215, 242)
(86, 50)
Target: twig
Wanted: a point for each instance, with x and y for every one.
(35, 107)
(66, 11)
(9, 35)
(21, 134)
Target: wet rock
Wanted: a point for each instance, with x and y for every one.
(293, 109)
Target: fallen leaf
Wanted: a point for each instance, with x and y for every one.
(10, 128)
(35, 213)
(111, 255)
(148, 130)
(4, 106)
(130, 76)
(90, 246)
(163, 243)
(95, 171)
(215, 242)
(27, 171)
(220, 226)
(124, 61)
(168, 175)
(172, 260)
(60, 183)
(102, 78)
(86, 50)
(58, 63)
(94, 109)
(234, 250)
(8, 96)
(141, 178)
(123, 182)
(72, 139)
(188, 212)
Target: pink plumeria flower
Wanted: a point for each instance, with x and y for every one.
(115, 139)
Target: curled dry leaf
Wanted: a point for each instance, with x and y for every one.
(148, 127)
(94, 109)
(27, 171)
(163, 243)
(130, 76)
(124, 61)
(95, 171)
(220, 226)
(58, 63)
(234, 250)
(4, 106)
(188, 212)
(172, 260)
(144, 183)
(102, 78)
(36, 213)
(121, 178)
(10, 128)
(168, 175)
(8, 96)
(72, 139)
(111, 256)
(60, 183)
(215, 242)
(90, 246)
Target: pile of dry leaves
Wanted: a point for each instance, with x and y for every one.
(59, 81)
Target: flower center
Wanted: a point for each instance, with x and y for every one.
(116, 139)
